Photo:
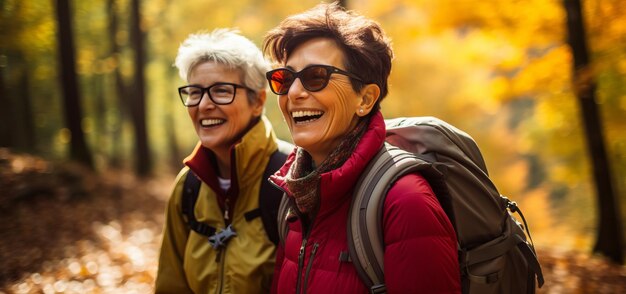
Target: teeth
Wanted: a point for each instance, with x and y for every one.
(211, 122)
(305, 116)
(302, 113)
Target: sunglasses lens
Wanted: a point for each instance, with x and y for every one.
(314, 78)
(280, 81)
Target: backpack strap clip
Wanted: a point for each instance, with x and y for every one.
(219, 240)
(378, 289)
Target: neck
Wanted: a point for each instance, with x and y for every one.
(223, 163)
(318, 158)
(322, 152)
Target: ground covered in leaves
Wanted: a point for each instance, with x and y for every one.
(64, 229)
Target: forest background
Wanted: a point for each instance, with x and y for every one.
(500, 70)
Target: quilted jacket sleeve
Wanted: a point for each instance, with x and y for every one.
(420, 242)
(170, 274)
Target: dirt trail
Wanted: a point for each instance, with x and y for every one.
(64, 229)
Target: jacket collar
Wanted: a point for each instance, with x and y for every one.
(337, 184)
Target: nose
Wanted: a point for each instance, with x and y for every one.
(297, 90)
(206, 102)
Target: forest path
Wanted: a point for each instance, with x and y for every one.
(64, 229)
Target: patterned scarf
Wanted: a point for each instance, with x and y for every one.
(303, 179)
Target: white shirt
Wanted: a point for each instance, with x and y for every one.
(224, 183)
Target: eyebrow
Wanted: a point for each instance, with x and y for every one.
(201, 86)
(306, 66)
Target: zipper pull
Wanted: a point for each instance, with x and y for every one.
(300, 266)
(302, 252)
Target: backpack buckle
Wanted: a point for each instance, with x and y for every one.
(378, 289)
(219, 239)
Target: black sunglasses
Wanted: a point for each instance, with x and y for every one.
(313, 77)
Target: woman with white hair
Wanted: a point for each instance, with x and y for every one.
(220, 232)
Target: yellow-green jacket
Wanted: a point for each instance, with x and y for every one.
(188, 263)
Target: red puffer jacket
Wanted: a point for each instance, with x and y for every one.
(420, 243)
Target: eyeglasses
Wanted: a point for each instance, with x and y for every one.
(313, 77)
(219, 93)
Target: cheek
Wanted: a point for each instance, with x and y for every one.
(343, 102)
(192, 113)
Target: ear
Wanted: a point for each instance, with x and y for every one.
(259, 103)
(369, 96)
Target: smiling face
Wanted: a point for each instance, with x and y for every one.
(318, 121)
(219, 126)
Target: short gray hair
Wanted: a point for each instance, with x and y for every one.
(224, 46)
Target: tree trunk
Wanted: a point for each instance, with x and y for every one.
(17, 128)
(71, 97)
(123, 105)
(100, 129)
(174, 150)
(142, 152)
(25, 128)
(6, 120)
(609, 240)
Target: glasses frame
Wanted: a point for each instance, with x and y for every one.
(296, 75)
(208, 92)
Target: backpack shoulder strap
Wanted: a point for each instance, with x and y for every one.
(191, 188)
(283, 228)
(283, 209)
(270, 196)
(365, 238)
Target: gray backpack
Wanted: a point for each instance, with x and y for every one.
(494, 254)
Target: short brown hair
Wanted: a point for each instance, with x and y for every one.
(367, 50)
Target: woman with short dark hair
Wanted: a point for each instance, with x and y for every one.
(333, 76)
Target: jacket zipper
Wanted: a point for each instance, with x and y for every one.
(301, 264)
(307, 226)
(308, 267)
(301, 283)
(221, 255)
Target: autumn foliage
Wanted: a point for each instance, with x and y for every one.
(499, 70)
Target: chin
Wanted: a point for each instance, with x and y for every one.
(208, 142)
(303, 141)
(206, 145)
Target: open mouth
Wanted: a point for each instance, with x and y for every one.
(305, 116)
(212, 122)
